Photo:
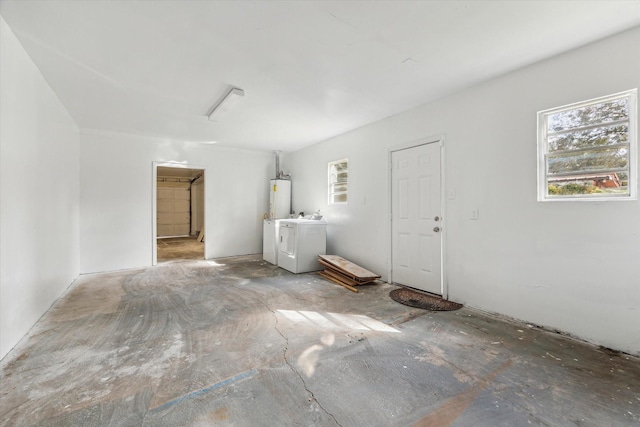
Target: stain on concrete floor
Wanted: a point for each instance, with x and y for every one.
(239, 342)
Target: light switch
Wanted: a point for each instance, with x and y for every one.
(475, 213)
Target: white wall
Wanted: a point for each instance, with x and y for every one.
(38, 193)
(116, 197)
(571, 266)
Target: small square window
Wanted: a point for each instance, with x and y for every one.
(338, 181)
(587, 150)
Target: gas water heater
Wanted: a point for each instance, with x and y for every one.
(279, 208)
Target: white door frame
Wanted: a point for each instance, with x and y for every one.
(154, 204)
(437, 139)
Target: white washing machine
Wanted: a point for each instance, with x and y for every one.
(300, 243)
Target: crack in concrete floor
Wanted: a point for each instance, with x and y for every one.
(294, 370)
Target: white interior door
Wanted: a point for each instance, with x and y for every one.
(416, 238)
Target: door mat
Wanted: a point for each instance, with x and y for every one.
(424, 301)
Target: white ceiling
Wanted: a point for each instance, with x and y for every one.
(310, 69)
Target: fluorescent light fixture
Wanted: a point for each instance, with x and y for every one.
(225, 103)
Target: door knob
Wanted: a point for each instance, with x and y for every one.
(436, 218)
(436, 229)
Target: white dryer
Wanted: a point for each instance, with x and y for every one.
(300, 243)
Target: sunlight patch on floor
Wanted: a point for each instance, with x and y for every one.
(358, 322)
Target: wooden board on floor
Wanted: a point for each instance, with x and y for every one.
(348, 268)
(333, 268)
(344, 279)
(334, 280)
(201, 236)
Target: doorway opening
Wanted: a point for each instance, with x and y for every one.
(179, 212)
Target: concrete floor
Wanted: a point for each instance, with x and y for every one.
(239, 342)
(173, 248)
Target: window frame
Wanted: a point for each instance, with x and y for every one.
(331, 184)
(543, 149)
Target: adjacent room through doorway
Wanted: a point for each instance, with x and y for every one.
(179, 213)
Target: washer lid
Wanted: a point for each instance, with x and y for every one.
(304, 221)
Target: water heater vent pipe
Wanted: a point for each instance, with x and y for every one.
(277, 153)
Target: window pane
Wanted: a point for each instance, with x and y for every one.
(601, 184)
(336, 188)
(589, 115)
(584, 187)
(597, 137)
(342, 177)
(624, 178)
(339, 167)
(339, 198)
(587, 161)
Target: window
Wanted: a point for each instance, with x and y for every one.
(338, 177)
(587, 150)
